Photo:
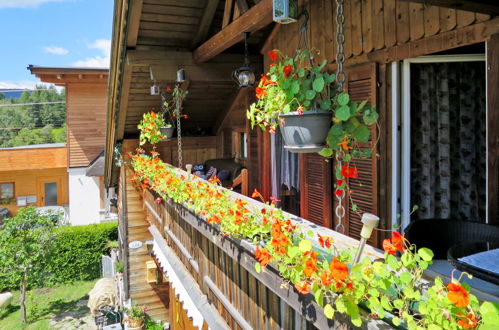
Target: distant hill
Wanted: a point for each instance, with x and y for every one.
(12, 93)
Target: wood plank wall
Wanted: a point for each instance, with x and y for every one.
(86, 121)
(382, 24)
(26, 183)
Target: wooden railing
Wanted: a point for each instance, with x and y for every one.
(223, 269)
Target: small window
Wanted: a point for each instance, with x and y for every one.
(6, 190)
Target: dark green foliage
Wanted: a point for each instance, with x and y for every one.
(39, 123)
(77, 254)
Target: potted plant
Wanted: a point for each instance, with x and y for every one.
(297, 96)
(135, 317)
(150, 128)
(172, 108)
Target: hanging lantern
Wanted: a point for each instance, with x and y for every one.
(245, 75)
(285, 11)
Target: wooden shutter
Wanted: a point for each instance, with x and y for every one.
(315, 195)
(361, 85)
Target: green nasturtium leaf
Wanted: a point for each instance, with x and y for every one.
(318, 84)
(329, 311)
(310, 94)
(370, 117)
(490, 313)
(305, 245)
(392, 262)
(319, 297)
(295, 87)
(343, 99)
(326, 152)
(361, 133)
(406, 277)
(258, 267)
(425, 254)
(396, 321)
(325, 104)
(343, 113)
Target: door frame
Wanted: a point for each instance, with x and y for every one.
(40, 181)
(401, 135)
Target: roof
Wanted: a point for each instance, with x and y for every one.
(37, 146)
(34, 69)
(96, 167)
(60, 76)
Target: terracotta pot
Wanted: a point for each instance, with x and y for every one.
(306, 132)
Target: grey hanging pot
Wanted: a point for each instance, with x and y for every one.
(167, 131)
(305, 133)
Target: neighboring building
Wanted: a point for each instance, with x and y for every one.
(33, 175)
(86, 101)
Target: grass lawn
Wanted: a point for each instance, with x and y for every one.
(45, 303)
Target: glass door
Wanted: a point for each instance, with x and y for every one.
(49, 191)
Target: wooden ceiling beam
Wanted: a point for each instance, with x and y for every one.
(257, 17)
(229, 4)
(205, 23)
(490, 7)
(134, 23)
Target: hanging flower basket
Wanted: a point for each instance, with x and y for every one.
(305, 132)
(167, 131)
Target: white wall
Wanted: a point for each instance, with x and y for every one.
(84, 199)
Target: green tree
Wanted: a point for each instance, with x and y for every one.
(2, 96)
(25, 241)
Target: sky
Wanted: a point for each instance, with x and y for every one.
(66, 33)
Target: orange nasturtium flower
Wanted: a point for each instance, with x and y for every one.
(287, 70)
(344, 144)
(394, 244)
(467, 322)
(260, 93)
(458, 295)
(349, 172)
(256, 194)
(325, 241)
(310, 268)
(303, 287)
(262, 255)
(273, 55)
(326, 277)
(338, 269)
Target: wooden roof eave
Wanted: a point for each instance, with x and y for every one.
(120, 23)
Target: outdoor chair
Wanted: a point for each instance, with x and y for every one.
(440, 235)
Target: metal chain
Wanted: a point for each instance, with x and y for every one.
(179, 136)
(340, 40)
(340, 78)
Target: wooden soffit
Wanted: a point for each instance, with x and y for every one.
(490, 7)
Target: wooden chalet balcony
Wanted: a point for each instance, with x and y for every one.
(219, 275)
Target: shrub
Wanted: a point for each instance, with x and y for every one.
(77, 255)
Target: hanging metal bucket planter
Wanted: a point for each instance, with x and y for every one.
(167, 131)
(307, 132)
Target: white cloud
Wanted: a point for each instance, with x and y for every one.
(98, 61)
(24, 3)
(55, 50)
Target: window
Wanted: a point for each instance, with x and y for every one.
(6, 190)
(243, 148)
